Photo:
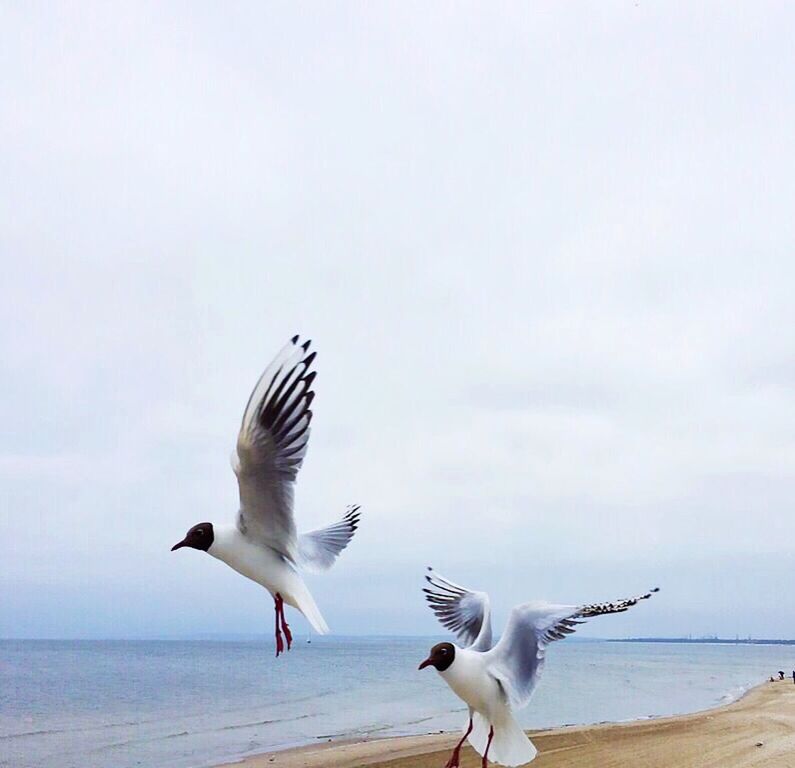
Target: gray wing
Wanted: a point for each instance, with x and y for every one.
(317, 550)
(271, 447)
(461, 610)
(518, 658)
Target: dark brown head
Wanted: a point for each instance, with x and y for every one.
(441, 657)
(201, 536)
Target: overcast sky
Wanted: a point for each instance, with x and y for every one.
(545, 253)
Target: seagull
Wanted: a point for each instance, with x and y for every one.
(493, 680)
(263, 544)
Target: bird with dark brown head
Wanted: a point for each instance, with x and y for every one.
(263, 543)
(441, 657)
(201, 536)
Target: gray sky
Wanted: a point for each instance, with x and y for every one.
(545, 253)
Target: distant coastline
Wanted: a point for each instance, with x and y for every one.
(703, 640)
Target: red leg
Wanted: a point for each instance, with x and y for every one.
(279, 642)
(285, 626)
(455, 758)
(485, 762)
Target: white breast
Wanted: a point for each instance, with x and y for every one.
(470, 680)
(258, 563)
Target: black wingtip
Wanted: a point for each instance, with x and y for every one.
(309, 358)
(353, 512)
(656, 589)
(306, 344)
(352, 516)
(294, 340)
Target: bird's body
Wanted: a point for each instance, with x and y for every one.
(268, 568)
(494, 680)
(470, 680)
(263, 545)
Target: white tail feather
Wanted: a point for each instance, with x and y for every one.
(302, 599)
(509, 746)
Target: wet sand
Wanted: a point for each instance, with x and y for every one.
(757, 730)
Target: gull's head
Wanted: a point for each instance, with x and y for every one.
(440, 657)
(201, 537)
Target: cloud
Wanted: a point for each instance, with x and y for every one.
(544, 256)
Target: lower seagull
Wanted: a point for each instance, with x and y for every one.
(493, 680)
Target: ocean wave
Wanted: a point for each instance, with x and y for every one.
(734, 694)
(24, 734)
(237, 726)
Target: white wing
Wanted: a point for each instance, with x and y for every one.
(317, 550)
(461, 610)
(518, 658)
(271, 447)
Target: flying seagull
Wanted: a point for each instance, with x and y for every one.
(493, 680)
(263, 544)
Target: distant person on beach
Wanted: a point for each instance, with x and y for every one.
(793, 676)
(780, 675)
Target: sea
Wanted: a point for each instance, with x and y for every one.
(178, 704)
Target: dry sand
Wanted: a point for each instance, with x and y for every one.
(757, 730)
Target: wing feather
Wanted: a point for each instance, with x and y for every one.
(463, 611)
(317, 550)
(271, 447)
(518, 658)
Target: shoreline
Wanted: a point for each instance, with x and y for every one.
(731, 731)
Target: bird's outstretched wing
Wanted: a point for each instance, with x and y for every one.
(271, 447)
(463, 611)
(518, 658)
(317, 550)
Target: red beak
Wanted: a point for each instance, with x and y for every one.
(425, 663)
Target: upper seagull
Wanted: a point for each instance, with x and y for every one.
(263, 544)
(494, 679)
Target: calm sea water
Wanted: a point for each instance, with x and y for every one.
(179, 704)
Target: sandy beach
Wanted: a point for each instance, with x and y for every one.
(756, 730)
